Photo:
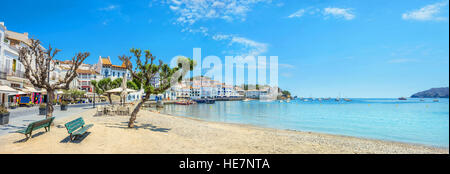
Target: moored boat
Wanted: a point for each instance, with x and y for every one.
(337, 99)
(210, 101)
(186, 102)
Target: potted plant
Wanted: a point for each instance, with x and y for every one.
(13, 106)
(4, 115)
(63, 106)
(42, 109)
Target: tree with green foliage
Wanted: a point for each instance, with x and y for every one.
(286, 93)
(97, 90)
(75, 94)
(116, 83)
(133, 85)
(106, 84)
(102, 86)
(145, 71)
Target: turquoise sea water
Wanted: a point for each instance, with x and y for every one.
(412, 121)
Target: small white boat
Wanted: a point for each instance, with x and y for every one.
(281, 101)
(246, 100)
(288, 100)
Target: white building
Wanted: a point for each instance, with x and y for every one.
(204, 87)
(265, 93)
(107, 70)
(11, 70)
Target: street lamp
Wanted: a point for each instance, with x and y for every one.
(93, 105)
(48, 93)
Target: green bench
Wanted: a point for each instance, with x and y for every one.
(45, 123)
(77, 128)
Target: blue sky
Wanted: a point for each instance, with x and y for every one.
(326, 48)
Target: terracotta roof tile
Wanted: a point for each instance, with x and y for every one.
(86, 71)
(106, 61)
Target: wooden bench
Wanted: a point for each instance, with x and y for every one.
(45, 123)
(77, 128)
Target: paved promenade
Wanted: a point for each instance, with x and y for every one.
(20, 118)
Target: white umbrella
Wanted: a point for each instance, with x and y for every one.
(119, 90)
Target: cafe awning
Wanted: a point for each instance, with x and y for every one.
(29, 90)
(7, 89)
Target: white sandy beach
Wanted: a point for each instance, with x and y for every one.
(158, 133)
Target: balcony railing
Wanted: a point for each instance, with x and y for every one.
(2, 75)
(17, 73)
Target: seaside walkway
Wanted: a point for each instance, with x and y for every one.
(19, 118)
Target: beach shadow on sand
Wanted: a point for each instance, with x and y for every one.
(124, 125)
(12, 127)
(77, 140)
(32, 136)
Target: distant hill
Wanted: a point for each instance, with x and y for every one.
(432, 93)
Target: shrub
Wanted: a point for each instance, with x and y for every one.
(3, 110)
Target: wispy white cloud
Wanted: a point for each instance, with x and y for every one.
(202, 30)
(280, 4)
(254, 48)
(221, 36)
(105, 22)
(247, 46)
(111, 13)
(191, 11)
(297, 14)
(109, 8)
(345, 13)
(427, 13)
